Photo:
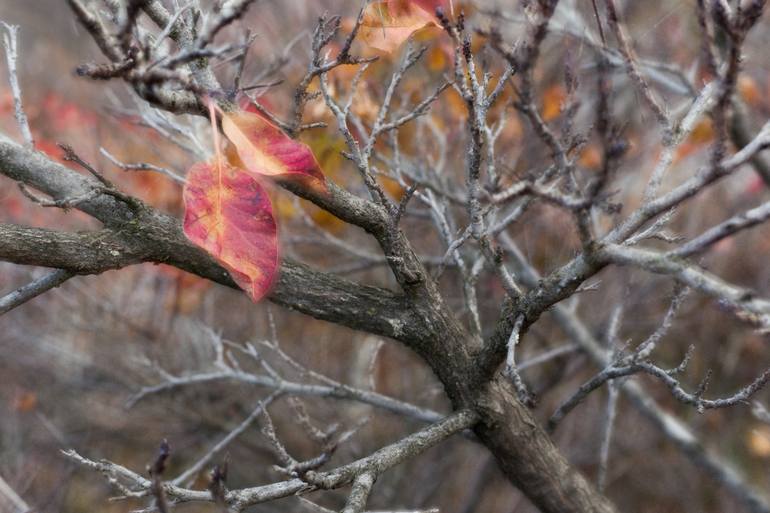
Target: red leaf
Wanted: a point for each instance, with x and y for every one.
(388, 23)
(248, 104)
(264, 149)
(229, 214)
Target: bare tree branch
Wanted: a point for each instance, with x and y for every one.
(376, 463)
(33, 289)
(10, 38)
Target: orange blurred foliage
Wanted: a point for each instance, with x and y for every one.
(25, 401)
(702, 134)
(553, 98)
(758, 441)
(591, 157)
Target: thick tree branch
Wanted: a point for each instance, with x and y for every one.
(137, 233)
(75, 252)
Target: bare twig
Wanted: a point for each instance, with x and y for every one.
(633, 68)
(185, 477)
(142, 166)
(33, 289)
(11, 55)
(609, 424)
(723, 230)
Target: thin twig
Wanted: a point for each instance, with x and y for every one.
(33, 289)
(11, 54)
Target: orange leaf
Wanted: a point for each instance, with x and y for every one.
(229, 214)
(749, 90)
(758, 441)
(25, 401)
(265, 149)
(437, 59)
(388, 23)
(553, 97)
(591, 157)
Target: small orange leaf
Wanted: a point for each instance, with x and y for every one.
(702, 134)
(229, 214)
(591, 157)
(758, 441)
(388, 23)
(265, 149)
(749, 90)
(553, 97)
(456, 106)
(438, 59)
(25, 401)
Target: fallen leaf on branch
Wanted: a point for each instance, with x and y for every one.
(229, 214)
(264, 149)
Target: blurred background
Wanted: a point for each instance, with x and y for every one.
(72, 359)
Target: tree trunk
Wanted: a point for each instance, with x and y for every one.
(528, 457)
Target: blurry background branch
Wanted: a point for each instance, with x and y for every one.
(12, 499)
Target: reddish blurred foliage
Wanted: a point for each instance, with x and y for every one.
(553, 98)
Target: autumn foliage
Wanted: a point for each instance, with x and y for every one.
(521, 161)
(228, 211)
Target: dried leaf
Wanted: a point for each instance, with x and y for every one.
(186, 292)
(229, 214)
(387, 24)
(264, 149)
